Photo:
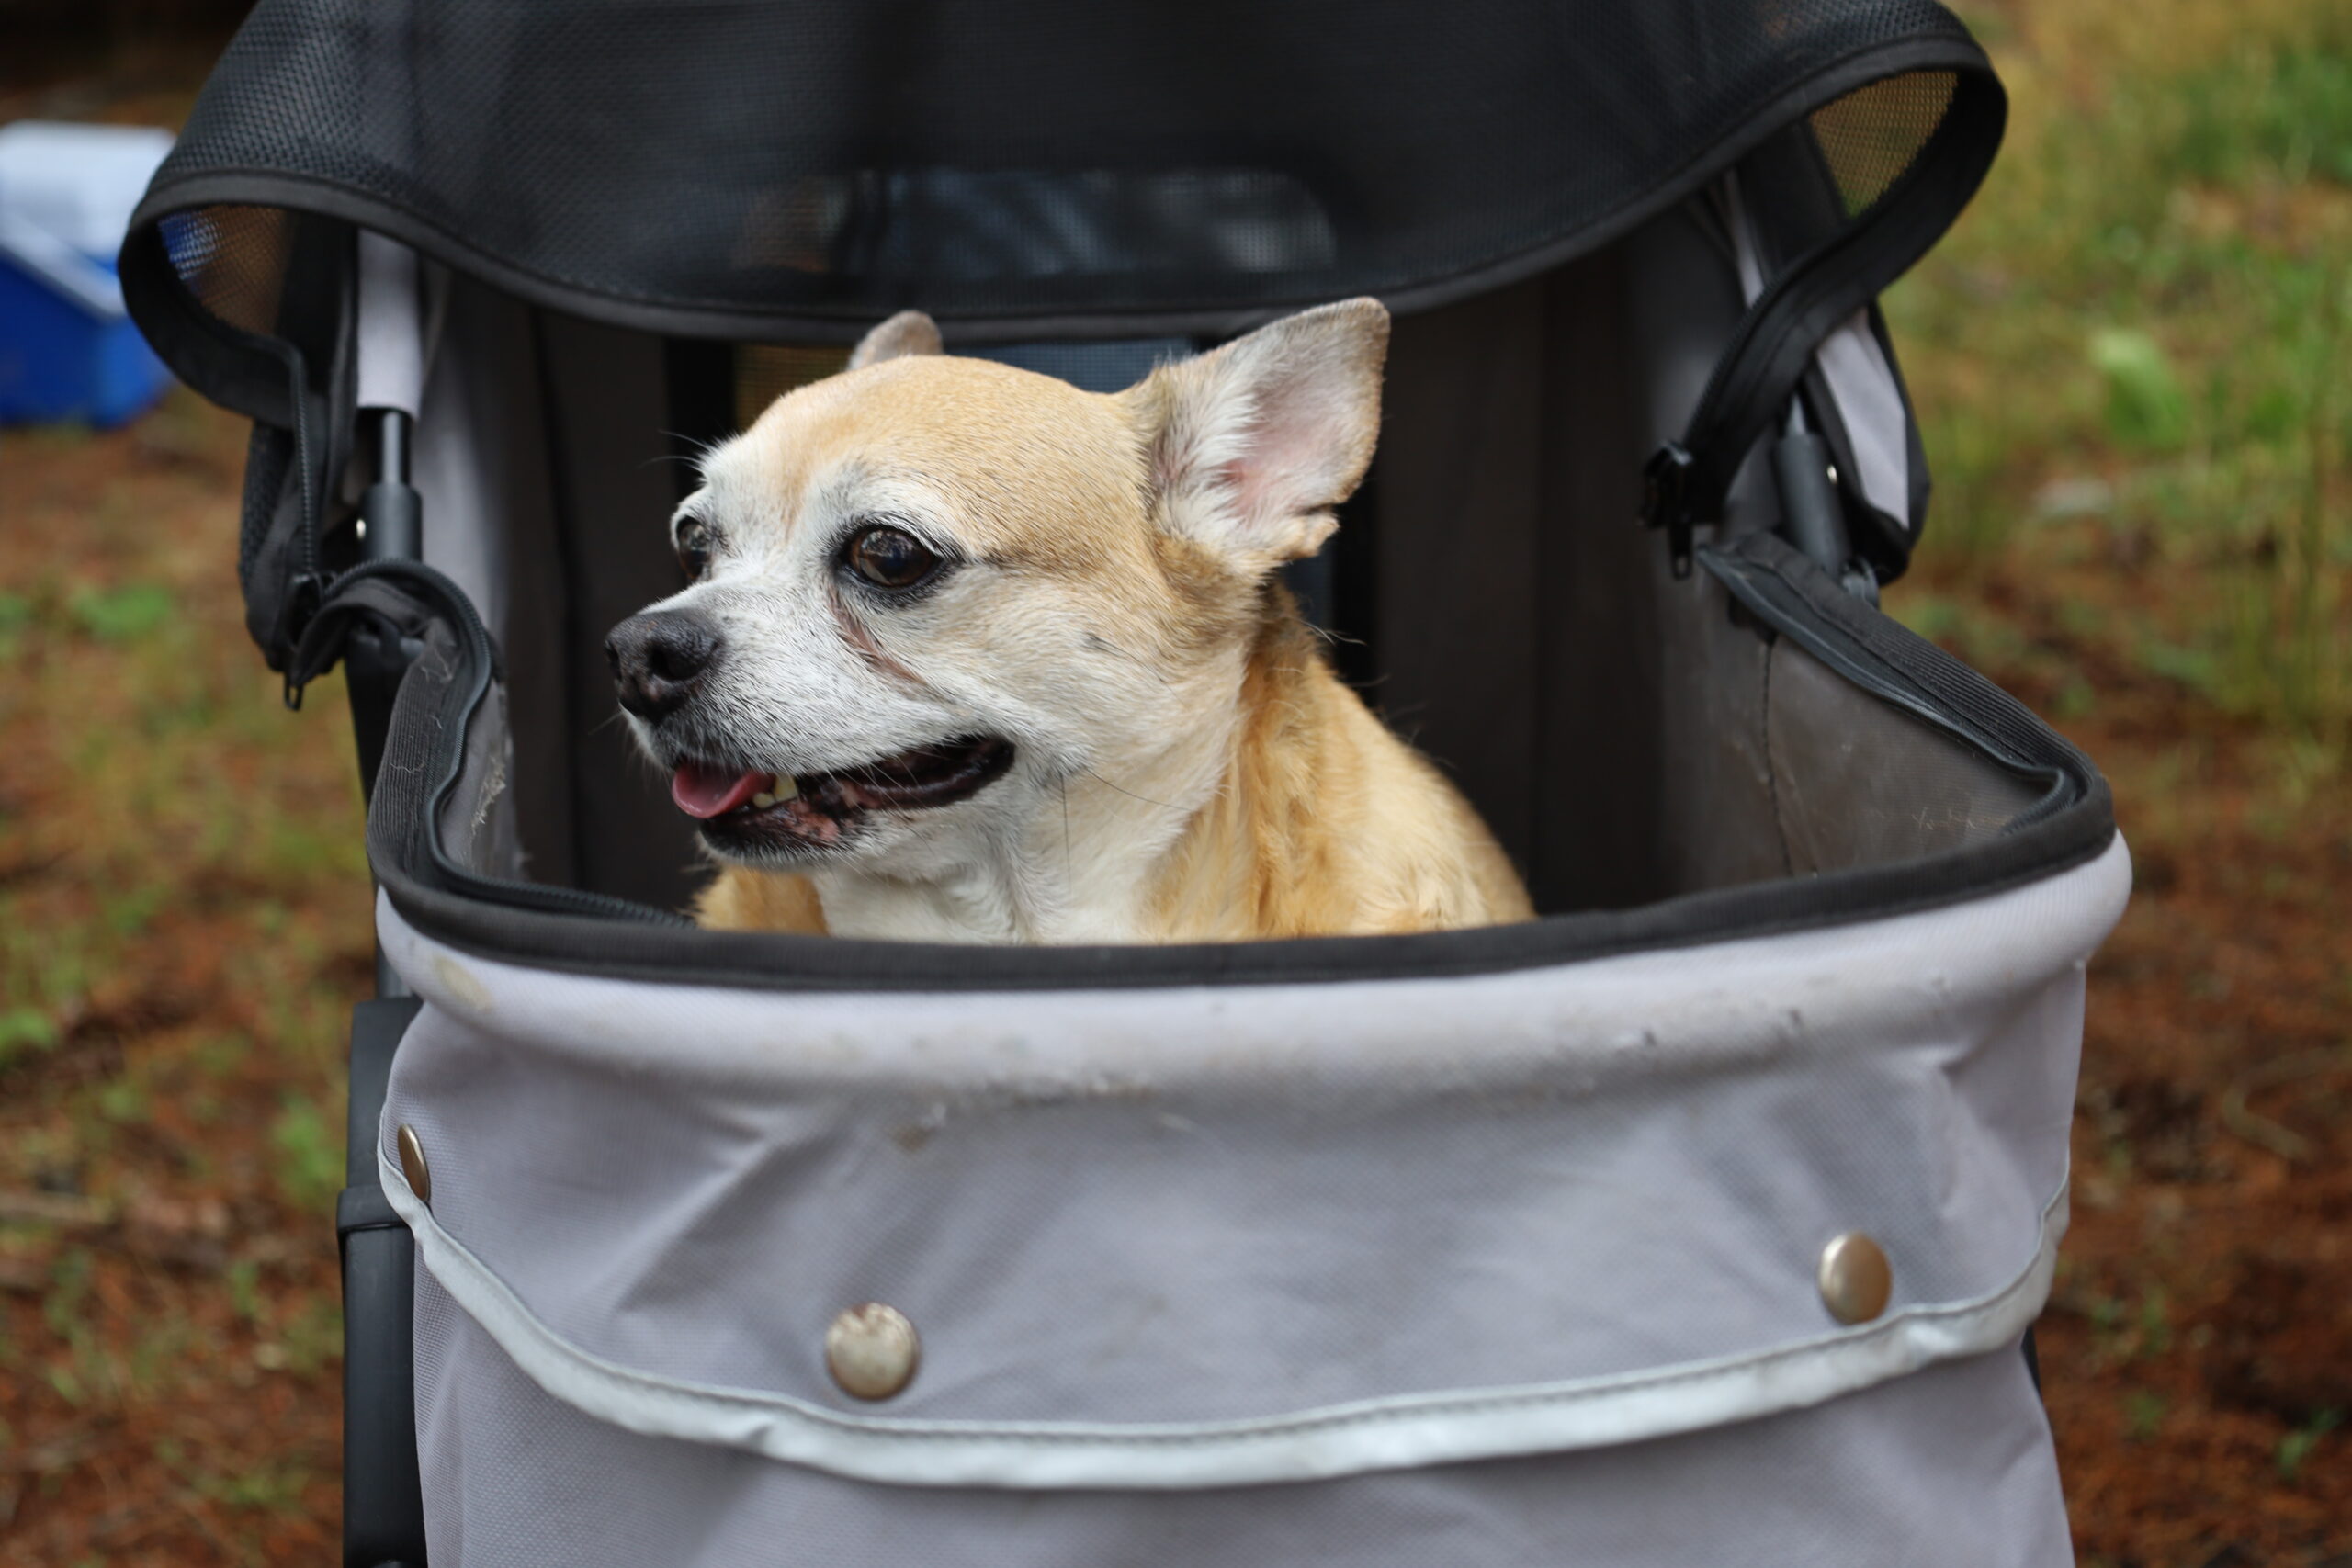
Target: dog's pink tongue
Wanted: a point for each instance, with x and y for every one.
(702, 791)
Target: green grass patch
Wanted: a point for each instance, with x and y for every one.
(2296, 1446)
(121, 615)
(24, 1032)
(2283, 107)
(2151, 302)
(310, 1156)
(2146, 406)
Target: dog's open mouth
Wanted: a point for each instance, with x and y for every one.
(756, 807)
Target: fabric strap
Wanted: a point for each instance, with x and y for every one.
(1686, 480)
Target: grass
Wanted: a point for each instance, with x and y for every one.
(2297, 1445)
(2131, 351)
(183, 924)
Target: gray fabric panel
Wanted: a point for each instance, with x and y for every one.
(616, 485)
(1341, 1193)
(1605, 718)
(1869, 405)
(1090, 367)
(548, 486)
(1858, 781)
(481, 467)
(1950, 1468)
(478, 823)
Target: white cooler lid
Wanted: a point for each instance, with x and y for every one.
(78, 182)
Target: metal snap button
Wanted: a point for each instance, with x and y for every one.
(1855, 1279)
(872, 1351)
(413, 1165)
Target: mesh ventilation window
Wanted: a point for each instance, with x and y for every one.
(1871, 136)
(233, 259)
(766, 372)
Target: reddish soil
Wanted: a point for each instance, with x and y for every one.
(168, 1374)
(2197, 1353)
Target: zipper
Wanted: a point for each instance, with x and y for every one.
(1915, 678)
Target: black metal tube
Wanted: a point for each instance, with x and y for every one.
(391, 509)
(393, 441)
(1811, 514)
(383, 1507)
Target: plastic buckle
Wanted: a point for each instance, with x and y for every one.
(1666, 492)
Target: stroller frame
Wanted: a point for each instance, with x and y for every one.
(1793, 763)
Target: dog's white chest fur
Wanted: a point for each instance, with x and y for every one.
(1082, 869)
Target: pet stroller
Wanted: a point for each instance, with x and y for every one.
(1701, 1220)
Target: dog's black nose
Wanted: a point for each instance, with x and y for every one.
(658, 660)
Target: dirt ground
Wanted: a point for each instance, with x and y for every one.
(2197, 1351)
(184, 924)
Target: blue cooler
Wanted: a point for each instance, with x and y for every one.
(68, 350)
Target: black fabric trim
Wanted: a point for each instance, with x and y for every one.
(694, 319)
(416, 600)
(773, 962)
(2074, 825)
(1776, 341)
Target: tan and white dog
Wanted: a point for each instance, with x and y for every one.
(970, 655)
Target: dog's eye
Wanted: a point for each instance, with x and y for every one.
(890, 558)
(694, 548)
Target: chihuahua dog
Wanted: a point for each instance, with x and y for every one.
(970, 655)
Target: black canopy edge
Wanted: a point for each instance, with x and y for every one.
(1773, 348)
(514, 923)
(184, 333)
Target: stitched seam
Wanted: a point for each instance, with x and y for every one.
(1397, 1408)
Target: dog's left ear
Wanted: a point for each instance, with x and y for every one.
(1251, 444)
(908, 331)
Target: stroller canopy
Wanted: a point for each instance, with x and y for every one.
(1024, 168)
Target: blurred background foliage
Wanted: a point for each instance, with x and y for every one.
(2135, 344)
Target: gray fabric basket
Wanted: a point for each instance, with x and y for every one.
(1517, 1268)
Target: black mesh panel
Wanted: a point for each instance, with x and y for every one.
(1023, 169)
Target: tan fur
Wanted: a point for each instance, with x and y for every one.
(1214, 779)
(1326, 824)
(739, 899)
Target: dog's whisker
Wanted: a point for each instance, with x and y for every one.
(1131, 794)
(1097, 640)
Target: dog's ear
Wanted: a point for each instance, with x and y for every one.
(1251, 444)
(908, 331)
